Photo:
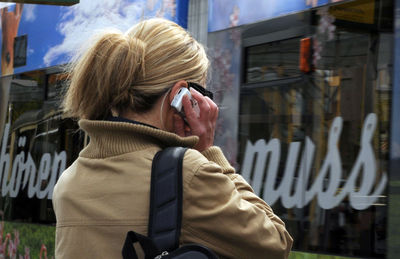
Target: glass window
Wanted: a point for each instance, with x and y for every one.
(316, 147)
(272, 61)
(38, 143)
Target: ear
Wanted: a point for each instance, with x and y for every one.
(178, 85)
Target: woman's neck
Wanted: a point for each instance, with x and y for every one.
(148, 118)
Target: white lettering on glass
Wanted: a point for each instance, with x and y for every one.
(326, 185)
(24, 171)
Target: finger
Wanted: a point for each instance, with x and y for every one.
(197, 96)
(195, 93)
(187, 106)
(214, 110)
(190, 115)
(179, 125)
(202, 103)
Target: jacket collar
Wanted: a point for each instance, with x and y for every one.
(111, 138)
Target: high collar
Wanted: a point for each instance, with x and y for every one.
(110, 138)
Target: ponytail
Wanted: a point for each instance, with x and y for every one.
(101, 79)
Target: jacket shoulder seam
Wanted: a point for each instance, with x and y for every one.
(195, 170)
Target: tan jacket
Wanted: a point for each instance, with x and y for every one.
(105, 193)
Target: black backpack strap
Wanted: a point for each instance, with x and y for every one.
(165, 216)
(129, 252)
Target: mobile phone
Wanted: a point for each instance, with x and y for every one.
(177, 102)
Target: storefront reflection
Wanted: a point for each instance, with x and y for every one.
(314, 145)
(38, 143)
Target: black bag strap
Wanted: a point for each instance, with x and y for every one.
(146, 243)
(165, 215)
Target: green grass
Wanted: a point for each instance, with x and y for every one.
(31, 236)
(302, 255)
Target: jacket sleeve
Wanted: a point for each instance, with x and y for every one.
(222, 211)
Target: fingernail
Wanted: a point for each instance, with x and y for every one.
(193, 90)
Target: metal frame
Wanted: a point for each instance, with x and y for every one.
(49, 2)
(393, 231)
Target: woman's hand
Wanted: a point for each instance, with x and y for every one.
(202, 126)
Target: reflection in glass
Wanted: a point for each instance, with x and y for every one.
(272, 61)
(35, 130)
(350, 83)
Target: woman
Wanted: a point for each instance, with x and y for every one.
(121, 89)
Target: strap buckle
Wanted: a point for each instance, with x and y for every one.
(161, 255)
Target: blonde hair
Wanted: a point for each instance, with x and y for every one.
(132, 70)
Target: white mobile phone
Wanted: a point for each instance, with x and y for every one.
(177, 102)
